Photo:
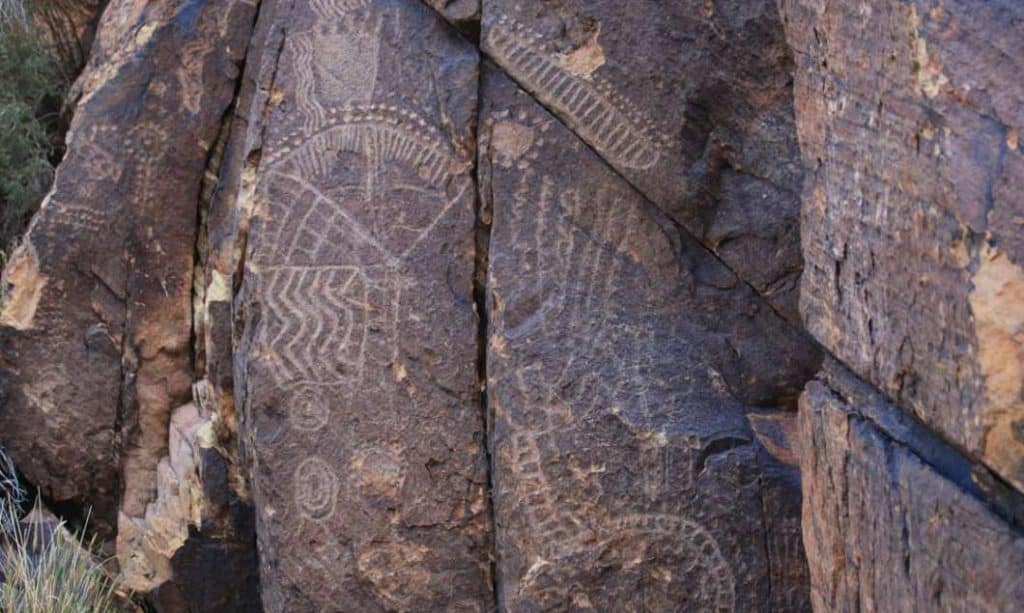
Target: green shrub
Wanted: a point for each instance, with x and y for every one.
(32, 87)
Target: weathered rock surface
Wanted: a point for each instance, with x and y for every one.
(622, 359)
(886, 530)
(909, 117)
(97, 312)
(691, 101)
(463, 14)
(357, 373)
(96, 316)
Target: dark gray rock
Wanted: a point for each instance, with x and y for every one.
(622, 360)
(691, 101)
(356, 370)
(909, 115)
(884, 529)
(96, 319)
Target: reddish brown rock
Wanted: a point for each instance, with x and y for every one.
(691, 101)
(97, 314)
(96, 317)
(887, 529)
(622, 359)
(357, 373)
(909, 115)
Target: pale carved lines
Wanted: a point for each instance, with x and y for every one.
(395, 133)
(316, 488)
(318, 314)
(699, 549)
(334, 307)
(578, 245)
(336, 61)
(594, 109)
(311, 412)
(558, 533)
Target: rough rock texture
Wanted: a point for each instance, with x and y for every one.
(622, 359)
(357, 372)
(886, 530)
(691, 101)
(463, 14)
(97, 318)
(909, 118)
(102, 283)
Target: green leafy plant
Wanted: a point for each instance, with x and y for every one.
(33, 83)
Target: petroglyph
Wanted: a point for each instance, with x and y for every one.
(337, 59)
(701, 565)
(599, 114)
(310, 410)
(332, 309)
(316, 488)
(625, 474)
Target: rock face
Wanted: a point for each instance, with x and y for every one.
(909, 115)
(621, 360)
(357, 363)
(96, 318)
(689, 101)
(475, 305)
(884, 529)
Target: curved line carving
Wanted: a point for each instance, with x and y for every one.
(601, 118)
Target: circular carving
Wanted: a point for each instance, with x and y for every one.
(310, 411)
(316, 488)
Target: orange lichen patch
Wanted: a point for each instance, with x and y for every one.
(997, 302)
(396, 571)
(23, 286)
(779, 433)
(378, 471)
(585, 59)
(511, 140)
(928, 70)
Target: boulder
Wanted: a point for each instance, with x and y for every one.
(891, 518)
(689, 101)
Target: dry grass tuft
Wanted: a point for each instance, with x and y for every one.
(44, 568)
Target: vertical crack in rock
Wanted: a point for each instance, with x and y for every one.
(96, 339)
(480, 281)
(173, 519)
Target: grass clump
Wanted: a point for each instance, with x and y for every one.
(44, 568)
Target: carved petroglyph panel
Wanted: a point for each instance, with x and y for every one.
(700, 565)
(359, 343)
(336, 61)
(600, 115)
(626, 476)
(693, 108)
